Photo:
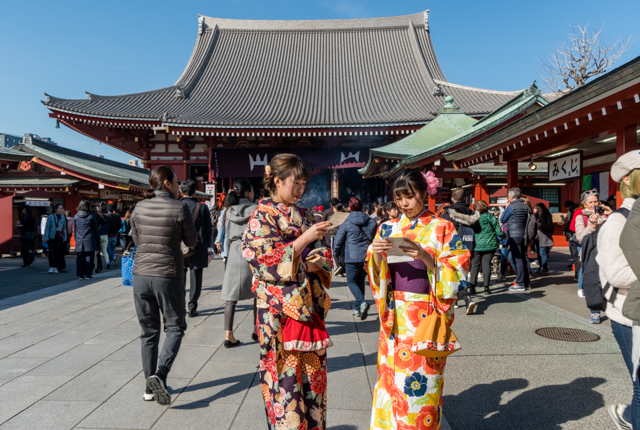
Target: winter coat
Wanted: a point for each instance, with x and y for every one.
(55, 223)
(516, 216)
(28, 229)
(581, 222)
(545, 230)
(125, 226)
(614, 267)
(85, 230)
(350, 236)
(114, 223)
(630, 245)
(220, 238)
(452, 211)
(237, 281)
(200, 259)
(158, 225)
(487, 239)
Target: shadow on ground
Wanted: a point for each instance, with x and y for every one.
(540, 408)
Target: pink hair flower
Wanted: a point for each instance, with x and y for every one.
(432, 182)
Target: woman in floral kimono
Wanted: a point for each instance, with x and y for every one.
(292, 268)
(408, 394)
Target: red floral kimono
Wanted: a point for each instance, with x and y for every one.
(293, 383)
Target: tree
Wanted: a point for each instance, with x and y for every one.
(581, 57)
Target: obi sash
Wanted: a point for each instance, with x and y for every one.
(411, 277)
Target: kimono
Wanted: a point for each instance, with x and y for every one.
(293, 383)
(408, 394)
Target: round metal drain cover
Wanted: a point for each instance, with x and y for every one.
(567, 334)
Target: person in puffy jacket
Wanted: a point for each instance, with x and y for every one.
(355, 235)
(87, 236)
(486, 243)
(544, 243)
(515, 216)
(158, 225)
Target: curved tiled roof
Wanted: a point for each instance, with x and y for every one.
(243, 73)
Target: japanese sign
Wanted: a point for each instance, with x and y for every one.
(569, 167)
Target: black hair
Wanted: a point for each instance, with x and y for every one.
(334, 202)
(27, 208)
(282, 166)
(188, 187)
(241, 187)
(84, 206)
(157, 178)
(568, 203)
(410, 183)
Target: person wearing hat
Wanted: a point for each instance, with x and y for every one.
(616, 271)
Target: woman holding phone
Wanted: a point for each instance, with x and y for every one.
(434, 257)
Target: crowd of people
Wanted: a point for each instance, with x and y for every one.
(282, 257)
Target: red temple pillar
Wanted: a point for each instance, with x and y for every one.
(512, 174)
(480, 191)
(432, 203)
(626, 141)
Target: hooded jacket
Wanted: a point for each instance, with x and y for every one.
(351, 235)
(237, 281)
(487, 239)
(85, 230)
(460, 213)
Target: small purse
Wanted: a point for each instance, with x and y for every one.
(434, 337)
(305, 336)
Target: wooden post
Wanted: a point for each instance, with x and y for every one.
(480, 191)
(512, 174)
(626, 141)
(432, 203)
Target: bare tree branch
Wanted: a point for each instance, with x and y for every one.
(582, 56)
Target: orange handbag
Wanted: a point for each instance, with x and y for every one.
(434, 337)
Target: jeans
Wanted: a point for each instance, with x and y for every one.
(624, 337)
(356, 276)
(104, 244)
(519, 253)
(504, 254)
(481, 258)
(543, 256)
(153, 295)
(84, 264)
(195, 287)
(111, 248)
(579, 268)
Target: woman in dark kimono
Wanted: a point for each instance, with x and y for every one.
(292, 268)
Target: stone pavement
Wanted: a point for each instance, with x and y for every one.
(69, 358)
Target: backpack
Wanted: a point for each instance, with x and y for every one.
(530, 229)
(594, 292)
(467, 236)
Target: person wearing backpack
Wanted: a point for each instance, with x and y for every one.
(516, 216)
(486, 243)
(616, 277)
(355, 235)
(544, 238)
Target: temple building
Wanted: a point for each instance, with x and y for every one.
(328, 91)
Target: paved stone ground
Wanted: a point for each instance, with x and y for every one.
(69, 358)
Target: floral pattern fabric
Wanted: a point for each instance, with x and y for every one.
(293, 383)
(408, 394)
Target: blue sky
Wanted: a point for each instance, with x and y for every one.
(116, 47)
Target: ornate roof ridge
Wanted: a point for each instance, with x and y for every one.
(481, 90)
(420, 18)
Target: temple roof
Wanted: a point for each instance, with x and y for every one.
(295, 74)
(87, 165)
(11, 154)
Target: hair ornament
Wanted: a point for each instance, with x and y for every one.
(432, 182)
(234, 189)
(267, 170)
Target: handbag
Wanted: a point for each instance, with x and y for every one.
(434, 338)
(98, 262)
(305, 336)
(186, 251)
(126, 268)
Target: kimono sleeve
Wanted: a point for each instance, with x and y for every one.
(319, 253)
(451, 258)
(266, 251)
(379, 280)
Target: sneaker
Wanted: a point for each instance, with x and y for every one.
(107, 266)
(54, 270)
(515, 287)
(88, 277)
(126, 253)
(81, 278)
(527, 286)
(581, 293)
(148, 395)
(193, 313)
(616, 412)
(456, 305)
(159, 389)
(115, 260)
(356, 313)
(50, 270)
(595, 318)
(338, 271)
(364, 309)
(502, 277)
(471, 308)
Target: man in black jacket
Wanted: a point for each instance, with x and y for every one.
(516, 216)
(200, 259)
(115, 224)
(461, 215)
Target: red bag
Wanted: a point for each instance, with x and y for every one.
(305, 336)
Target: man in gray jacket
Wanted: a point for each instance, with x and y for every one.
(200, 259)
(516, 216)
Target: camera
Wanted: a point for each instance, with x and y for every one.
(599, 210)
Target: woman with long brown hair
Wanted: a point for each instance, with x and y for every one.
(291, 264)
(158, 226)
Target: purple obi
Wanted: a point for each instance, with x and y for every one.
(411, 277)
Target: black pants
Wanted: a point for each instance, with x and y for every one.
(195, 287)
(25, 251)
(481, 258)
(56, 253)
(128, 242)
(154, 295)
(520, 257)
(230, 313)
(573, 248)
(84, 264)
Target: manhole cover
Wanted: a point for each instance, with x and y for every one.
(567, 334)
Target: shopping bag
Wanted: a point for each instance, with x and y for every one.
(127, 269)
